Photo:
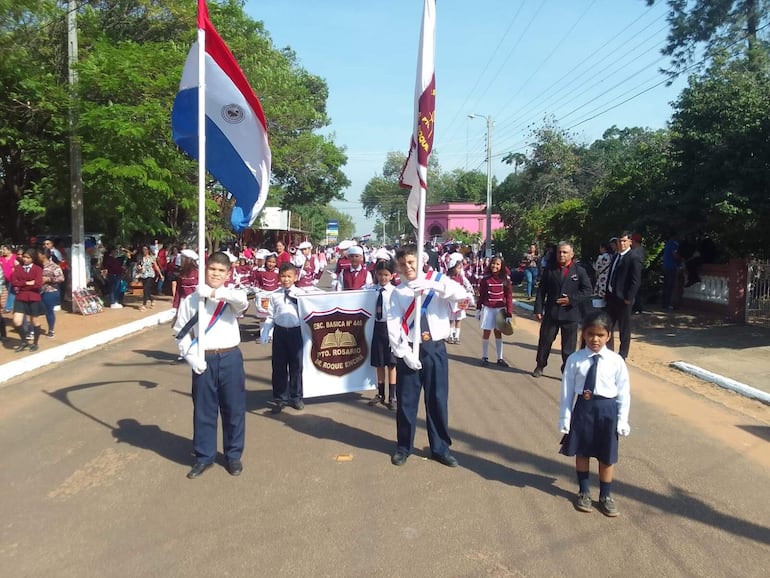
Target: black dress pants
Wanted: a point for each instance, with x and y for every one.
(548, 329)
(620, 313)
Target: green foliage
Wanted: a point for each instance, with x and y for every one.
(720, 27)
(313, 219)
(721, 139)
(136, 182)
(464, 236)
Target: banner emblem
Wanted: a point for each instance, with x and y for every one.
(339, 345)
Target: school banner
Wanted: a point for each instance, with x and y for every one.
(337, 332)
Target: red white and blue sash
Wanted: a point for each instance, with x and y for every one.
(220, 309)
(407, 321)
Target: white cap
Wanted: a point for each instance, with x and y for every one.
(346, 244)
(261, 254)
(190, 254)
(382, 253)
(355, 250)
(305, 245)
(455, 258)
(230, 256)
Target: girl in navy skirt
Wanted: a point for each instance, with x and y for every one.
(595, 401)
(382, 357)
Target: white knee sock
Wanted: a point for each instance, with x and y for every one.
(485, 348)
(457, 333)
(499, 347)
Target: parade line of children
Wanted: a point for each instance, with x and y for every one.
(595, 396)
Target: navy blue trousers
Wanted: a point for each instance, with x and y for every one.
(433, 378)
(287, 363)
(221, 389)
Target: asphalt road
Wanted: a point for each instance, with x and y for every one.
(95, 452)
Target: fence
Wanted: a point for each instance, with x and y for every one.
(758, 293)
(721, 289)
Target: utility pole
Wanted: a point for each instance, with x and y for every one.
(489, 186)
(488, 118)
(78, 270)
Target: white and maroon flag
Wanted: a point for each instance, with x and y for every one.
(414, 175)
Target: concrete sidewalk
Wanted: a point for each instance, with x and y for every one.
(731, 356)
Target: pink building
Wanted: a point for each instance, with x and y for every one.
(447, 216)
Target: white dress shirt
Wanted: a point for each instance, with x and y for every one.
(611, 381)
(446, 292)
(225, 332)
(282, 309)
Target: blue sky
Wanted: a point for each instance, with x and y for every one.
(518, 61)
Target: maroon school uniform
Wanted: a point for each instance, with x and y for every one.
(306, 274)
(343, 264)
(352, 280)
(19, 278)
(266, 280)
(494, 293)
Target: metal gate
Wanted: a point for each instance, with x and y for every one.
(758, 293)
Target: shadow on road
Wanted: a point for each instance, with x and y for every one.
(128, 430)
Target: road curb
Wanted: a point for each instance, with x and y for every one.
(27, 363)
(721, 381)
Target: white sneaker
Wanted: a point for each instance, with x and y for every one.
(57, 307)
(116, 306)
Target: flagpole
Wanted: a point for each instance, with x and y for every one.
(420, 252)
(201, 173)
(423, 139)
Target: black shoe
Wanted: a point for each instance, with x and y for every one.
(375, 400)
(297, 404)
(538, 372)
(197, 470)
(398, 459)
(447, 459)
(392, 405)
(502, 363)
(21, 346)
(278, 407)
(484, 361)
(235, 467)
(33, 347)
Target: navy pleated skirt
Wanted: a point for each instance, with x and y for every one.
(381, 353)
(593, 430)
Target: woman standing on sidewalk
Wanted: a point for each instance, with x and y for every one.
(7, 261)
(53, 276)
(27, 280)
(146, 270)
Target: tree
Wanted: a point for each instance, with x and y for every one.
(313, 218)
(721, 143)
(628, 170)
(719, 26)
(551, 175)
(32, 117)
(136, 182)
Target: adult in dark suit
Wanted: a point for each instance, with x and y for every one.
(622, 287)
(564, 287)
